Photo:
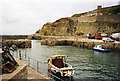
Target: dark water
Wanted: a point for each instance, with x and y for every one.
(88, 64)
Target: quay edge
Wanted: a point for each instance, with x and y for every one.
(19, 43)
(24, 73)
(88, 44)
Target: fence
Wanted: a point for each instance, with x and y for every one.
(31, 62)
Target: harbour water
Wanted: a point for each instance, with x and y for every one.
(88, 64)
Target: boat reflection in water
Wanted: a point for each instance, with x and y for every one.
(59, 69)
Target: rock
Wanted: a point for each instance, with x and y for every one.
(83, 24)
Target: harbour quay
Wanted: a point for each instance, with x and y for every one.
(20, 43)
(14, 36)
(83, 42)
(23, 73)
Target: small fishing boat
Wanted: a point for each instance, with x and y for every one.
(99, 37)
(99, 48)
(58, 66)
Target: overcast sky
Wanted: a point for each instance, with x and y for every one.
(27, 16)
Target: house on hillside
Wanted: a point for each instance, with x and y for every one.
(101, 11)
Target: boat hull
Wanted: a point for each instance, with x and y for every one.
(99, 37)
(61, 73)
(58, 66)
(101, 50)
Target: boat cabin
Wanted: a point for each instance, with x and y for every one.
(58, 66)
(98, 46)
(59, 61)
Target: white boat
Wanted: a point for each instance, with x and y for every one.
(58, 66)
(116, 35)
(99, 48)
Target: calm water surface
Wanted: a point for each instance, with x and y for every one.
(88, 64)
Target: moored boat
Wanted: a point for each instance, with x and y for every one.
(90, 36)
(99, 37)
(99, 48)
(57, 65)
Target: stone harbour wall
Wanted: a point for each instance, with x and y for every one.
(22, 74)
(18, 43)
(87, 44)
(14, 36)
(19, 73)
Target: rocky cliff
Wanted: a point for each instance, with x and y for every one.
(102, 20)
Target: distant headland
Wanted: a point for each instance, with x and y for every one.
(100, 20)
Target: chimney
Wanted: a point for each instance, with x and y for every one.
(99, 7)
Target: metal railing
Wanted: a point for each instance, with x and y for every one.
(31, 62)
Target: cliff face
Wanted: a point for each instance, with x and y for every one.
(63, 26)
(85, 23)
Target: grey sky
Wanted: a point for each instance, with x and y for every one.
(27, 16)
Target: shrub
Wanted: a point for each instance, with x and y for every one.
(80, 33)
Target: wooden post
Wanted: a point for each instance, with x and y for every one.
(17, 54)
(20, 54)
(25, 50)
(37, 65)
(28, 61)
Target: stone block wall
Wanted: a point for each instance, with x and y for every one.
(21, 74)
(80, 43)
(18, 43)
